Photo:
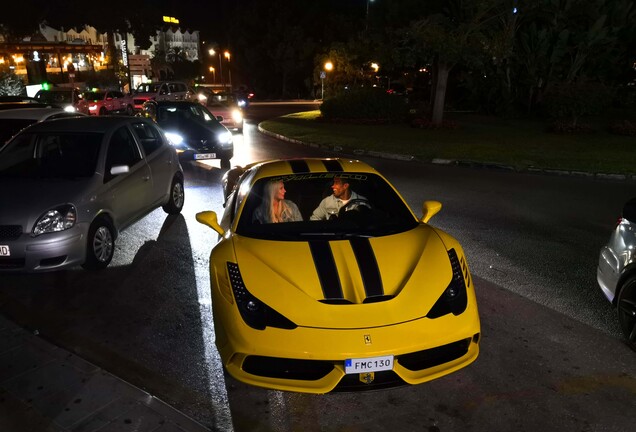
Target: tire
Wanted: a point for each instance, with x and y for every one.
(626, 308)
(103, 111)
(100, 245)
(130, 111)
(176, 199)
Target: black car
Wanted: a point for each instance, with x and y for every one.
(192, 129)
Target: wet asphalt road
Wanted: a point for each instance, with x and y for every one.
(551, 351)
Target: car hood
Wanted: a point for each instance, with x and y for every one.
(192, 129)
(25, 200)
(411, 270)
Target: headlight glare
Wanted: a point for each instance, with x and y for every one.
(237, 116)
(174, 138)
(225, 137)
(56, 219)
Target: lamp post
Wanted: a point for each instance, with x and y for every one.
(213, 74)
(323, 75)
(212, 52)
(229, 67)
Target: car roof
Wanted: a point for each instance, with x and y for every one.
(85, 124)
(31, 113)
(281, 167)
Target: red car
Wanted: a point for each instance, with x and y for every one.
(109, 101)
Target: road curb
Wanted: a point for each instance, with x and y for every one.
(441, 161)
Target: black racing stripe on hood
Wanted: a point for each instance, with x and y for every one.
(326, 268)
(333, 166)
(368, 265)
(299, 166)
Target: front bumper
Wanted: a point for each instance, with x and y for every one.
(312, 360)
(46, 252)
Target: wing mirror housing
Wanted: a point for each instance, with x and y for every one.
(119, 169)
(430, 209)
(209, 218)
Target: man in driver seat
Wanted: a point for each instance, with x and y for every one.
(331, 205)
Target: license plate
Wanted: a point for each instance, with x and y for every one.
(4, 250)
(205, 156)
(370, 364)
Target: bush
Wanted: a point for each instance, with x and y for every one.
(367, 106)
(11, 85)
(625, 127)
(566, 103)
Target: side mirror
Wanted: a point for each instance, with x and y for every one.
(430, 209)
(209, 218)
(119, 169)
(219, 118)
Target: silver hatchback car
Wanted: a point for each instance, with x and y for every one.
(616, 273)
(71, 185)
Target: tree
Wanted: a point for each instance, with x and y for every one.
(10, 84)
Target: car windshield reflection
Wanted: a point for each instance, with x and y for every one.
(311, 210)
(51, 155)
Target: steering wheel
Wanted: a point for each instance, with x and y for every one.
(355, 204)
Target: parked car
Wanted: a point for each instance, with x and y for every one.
(616, 273)
(67, 97)
(370, 298)
(13, 121)
(226, 109)
(109, 102)
(160, 91)
(75, 184)
(192, 130)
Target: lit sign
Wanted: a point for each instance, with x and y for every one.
(170, 19)
(124, 52)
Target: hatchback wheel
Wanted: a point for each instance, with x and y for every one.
(176, 199)
(627, 311)
(100, 246)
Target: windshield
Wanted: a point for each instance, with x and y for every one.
(54, 97)
(51, 155)
(148, 88)
(311, 209)
(95, 96)
(167, 114)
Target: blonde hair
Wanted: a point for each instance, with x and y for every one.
(284, 212)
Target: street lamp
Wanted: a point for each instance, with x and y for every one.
(212, 52)
(213, 74)
(323, 75)
(229, 67)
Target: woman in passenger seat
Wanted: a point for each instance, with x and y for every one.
(275, 208)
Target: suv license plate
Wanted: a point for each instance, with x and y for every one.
(199, 156)
(4, 250)
(370, 364)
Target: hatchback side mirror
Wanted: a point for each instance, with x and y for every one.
(430, 209)
(209, 218)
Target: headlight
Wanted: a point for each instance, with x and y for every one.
(241, 103)
(202, 97)
(225, 137)
(57, 219)
(92, 107)
(255, 313)
(237, 116)
(454, 298)
(174, 138)
(70, 108)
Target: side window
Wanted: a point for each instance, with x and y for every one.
(122, 150)
(148, 137)
(164, 89)
(172, 88)
(116, 94)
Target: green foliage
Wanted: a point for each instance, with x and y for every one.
(568, 102)
(369, 105)
(11, 84)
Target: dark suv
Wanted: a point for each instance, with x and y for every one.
(192, 130)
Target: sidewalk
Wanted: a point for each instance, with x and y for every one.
(45, 388)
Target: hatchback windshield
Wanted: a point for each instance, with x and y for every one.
(148, 88)
(373, 208)
(54, 97)
(94, 96)
(51, 155)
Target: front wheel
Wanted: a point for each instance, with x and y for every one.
(100, 245)
(626, 306)
(177, 197)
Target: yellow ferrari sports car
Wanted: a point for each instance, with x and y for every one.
(323, 279)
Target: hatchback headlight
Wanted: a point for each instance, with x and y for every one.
(174, 138)
(225, 137)
(56, 219)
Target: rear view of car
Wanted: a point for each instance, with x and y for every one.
(616, 273)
